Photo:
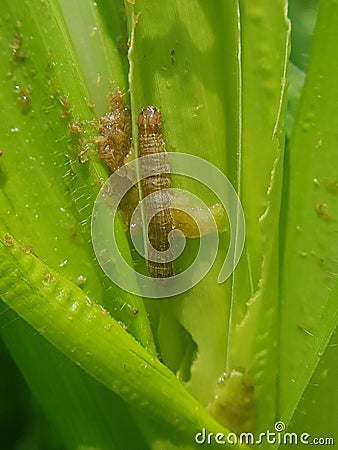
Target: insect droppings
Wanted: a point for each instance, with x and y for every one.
(114, 141)
(322, 210)
(172, 56)
(18, 54)
(114, 145)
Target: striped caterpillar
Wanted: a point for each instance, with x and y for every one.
(151, 142)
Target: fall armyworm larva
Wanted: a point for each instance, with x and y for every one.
(151, 142)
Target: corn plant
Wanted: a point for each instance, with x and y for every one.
(109, 368)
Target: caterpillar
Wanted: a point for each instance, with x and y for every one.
(150, 141)
(114, 144)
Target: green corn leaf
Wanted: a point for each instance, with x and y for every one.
(89, 336)
(309, 284)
